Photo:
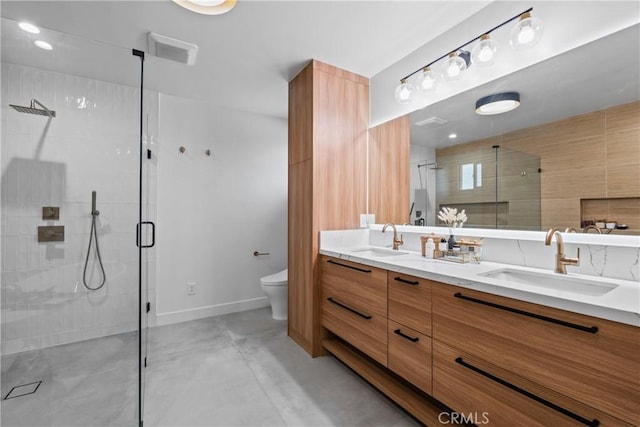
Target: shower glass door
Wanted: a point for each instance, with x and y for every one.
(72, 300)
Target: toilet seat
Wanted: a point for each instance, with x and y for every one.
(277, 279)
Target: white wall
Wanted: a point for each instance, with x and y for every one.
(214, 212)
(92, 144)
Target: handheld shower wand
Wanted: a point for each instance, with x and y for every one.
(93, 233)
(94, 212)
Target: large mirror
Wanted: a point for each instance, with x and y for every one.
(569, 156)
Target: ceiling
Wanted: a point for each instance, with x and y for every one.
(600, 74)
(247, 56)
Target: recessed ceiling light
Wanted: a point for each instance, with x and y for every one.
(453, 136)
(207, 7)
(43, 45)
(29, 28)
(498, 103)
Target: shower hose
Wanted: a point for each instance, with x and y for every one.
(92, 234)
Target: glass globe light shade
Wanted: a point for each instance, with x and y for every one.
(454, 66)
(483, 54)
(526, 33)
(428, 80)
(404, 92)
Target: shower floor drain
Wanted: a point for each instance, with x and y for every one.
(23, 390)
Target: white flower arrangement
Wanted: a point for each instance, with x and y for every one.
(451, 217)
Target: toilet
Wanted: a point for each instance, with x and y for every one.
(275, 287)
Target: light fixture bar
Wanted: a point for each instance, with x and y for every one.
(469, 42)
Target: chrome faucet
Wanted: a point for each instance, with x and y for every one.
(396, 242)
(561, 259)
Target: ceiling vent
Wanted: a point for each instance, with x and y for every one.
(431, 122)
(172, 49)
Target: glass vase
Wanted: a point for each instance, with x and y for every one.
(452, 240)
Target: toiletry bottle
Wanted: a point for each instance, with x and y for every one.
(443, 246)
(430, 248)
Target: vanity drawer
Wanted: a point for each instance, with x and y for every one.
(363, 329)
(355, 284)
(410, 355)
(594, 361)
(496, 397)
(410, 301)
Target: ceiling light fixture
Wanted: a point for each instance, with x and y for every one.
(29, 28)
(526, 33)
(498, 103)
(43, 45)
(207, 7)
(453, 136)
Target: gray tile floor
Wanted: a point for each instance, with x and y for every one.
(235, 370)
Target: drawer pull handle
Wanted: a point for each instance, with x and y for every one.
(410, 338)
(364, 316)
(590, 329)
(330, 261)
(408, 282)
(528, 394)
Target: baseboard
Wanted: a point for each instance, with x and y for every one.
(211, 310)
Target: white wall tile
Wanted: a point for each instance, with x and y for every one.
(58, 162)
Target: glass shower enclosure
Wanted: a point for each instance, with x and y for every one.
(498, 187)
(76, 230)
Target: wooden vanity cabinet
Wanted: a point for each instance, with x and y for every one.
(590, 360)
(410, 329)
(410, 355)
(410, 301)
(354, 305)
(497, 397)
(513, 362)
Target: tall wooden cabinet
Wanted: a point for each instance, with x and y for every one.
(328, 123)
(389, 159)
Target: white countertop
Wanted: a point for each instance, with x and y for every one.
(621, 304)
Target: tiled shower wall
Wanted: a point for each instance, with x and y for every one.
(92, 144)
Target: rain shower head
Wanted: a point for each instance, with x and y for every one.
(33, 109)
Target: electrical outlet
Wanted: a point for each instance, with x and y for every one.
(191, 288)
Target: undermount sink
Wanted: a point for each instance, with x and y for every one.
(557, 282)
(378, 252)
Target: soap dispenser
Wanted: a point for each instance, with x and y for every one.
(443, 246)
(431, 246)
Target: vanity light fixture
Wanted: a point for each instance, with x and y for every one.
(29, 28)
(498, 103)
(456, 64)
(428, 80)
(483, 54)
(526, 33)
(207, 7)
(404, 92)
